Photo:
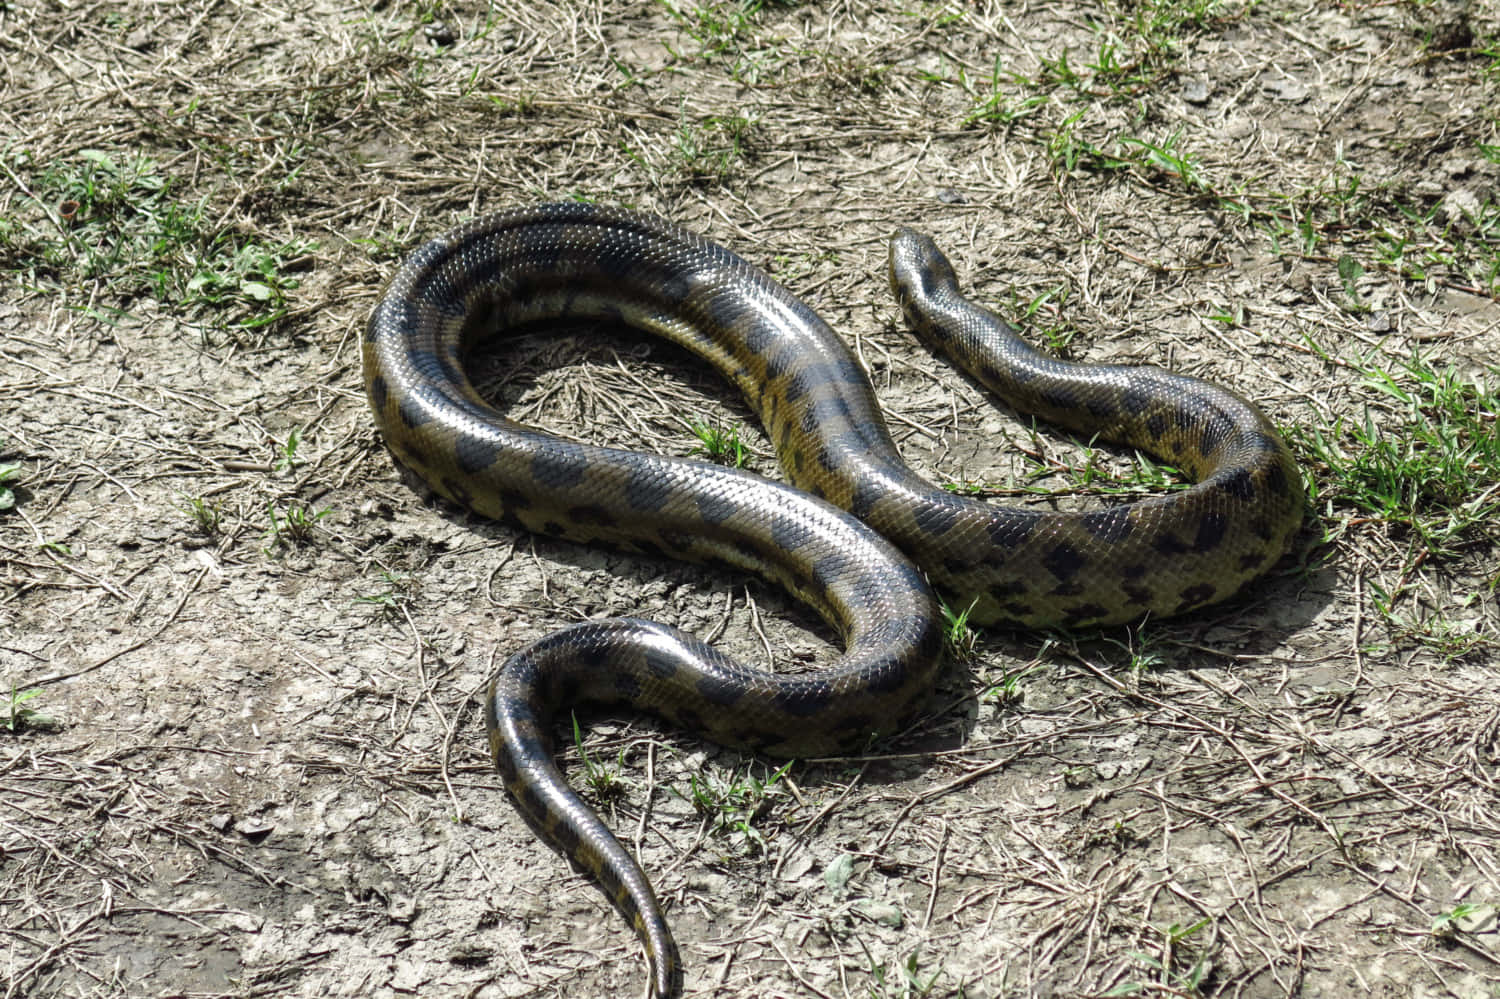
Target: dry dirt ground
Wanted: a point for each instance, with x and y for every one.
(242, 753)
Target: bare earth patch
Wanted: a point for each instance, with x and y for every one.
(242, 753)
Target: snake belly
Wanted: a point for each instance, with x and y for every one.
(863, 573)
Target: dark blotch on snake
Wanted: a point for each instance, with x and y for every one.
(379, 392)
(559, 466)
(1276, 478)
(648, 489)
(1211, 530)
(475, 453)
(780, 360)
(727, 314)
(829, 569)
(1238, 484)
(594, 515)
(1059, 397)
(714, 508)
(1064, 561)
(659, 664)
(1082, 613)
(1134, 401)
(1168, 543)
(825, 412)
(513, 500)
(936, 519)
(412, 412)
(1007, 533)
(1194, 596)
(866, 495)
(1211, 435)
(720, 690)
(804, 702)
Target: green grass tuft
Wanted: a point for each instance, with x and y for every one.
(959, 637)
(712, 148)
(1428, 466)
(206, 517)
(117, 221)
(719, 443)
(293, 526)
(731, 806)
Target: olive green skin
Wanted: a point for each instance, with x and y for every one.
(1162, 555)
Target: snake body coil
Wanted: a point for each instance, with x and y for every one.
(1162, 555)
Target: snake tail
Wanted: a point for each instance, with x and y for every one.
(519, 713)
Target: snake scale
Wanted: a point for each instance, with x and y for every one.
(866, 571)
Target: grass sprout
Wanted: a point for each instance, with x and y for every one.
(10, 472)
(293, 525)
(720, 444)
(959, 638)
(19, 717)
(605, 780)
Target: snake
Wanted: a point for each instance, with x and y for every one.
(852, 532)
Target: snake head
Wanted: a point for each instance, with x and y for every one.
(918, 270)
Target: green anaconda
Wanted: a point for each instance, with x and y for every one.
(834, 537)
